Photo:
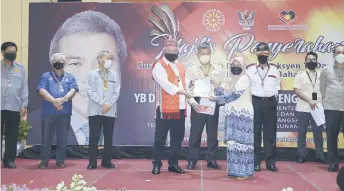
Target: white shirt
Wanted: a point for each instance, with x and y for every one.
(303, 83)
(272, 82)
(161, 78)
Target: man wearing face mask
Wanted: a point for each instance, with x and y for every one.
(307, 89)
(57, 88)
(265, 84)
(103, 88)
(170, 94)
(14, 100)
(203, 69)
(332, 90)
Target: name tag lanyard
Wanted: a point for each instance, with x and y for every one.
(262, 78)
(9, 73)
(60, 83)
(105, 79)
(314, 94)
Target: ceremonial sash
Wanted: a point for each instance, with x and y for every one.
(169, 104)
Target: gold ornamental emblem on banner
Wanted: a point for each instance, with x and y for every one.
(213, 20)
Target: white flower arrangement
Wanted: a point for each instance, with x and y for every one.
(287, 189)
(78, 184)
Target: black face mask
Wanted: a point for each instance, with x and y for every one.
(236, 70)
(171, 57)
(58, 65)
(311, 65)
(10, 56)
(262, 59)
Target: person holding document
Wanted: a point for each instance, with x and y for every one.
(206, 76)
(170, 94)
(235, 93)
(332, 90)
(307, 89)
(103, 89)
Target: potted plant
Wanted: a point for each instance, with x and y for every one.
(24, 128)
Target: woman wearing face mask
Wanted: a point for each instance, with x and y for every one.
(235, 93)
(57, 89)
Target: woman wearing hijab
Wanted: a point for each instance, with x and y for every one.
(235, 93)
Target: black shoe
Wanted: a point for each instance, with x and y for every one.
(43, 165)
(257, 168)
(91, 166)
(176, 169)
(156, 170)
(322, 160)
(300, 160)
(10, 165)
(333, 167)
(108, 165)
(271, 167)
(191, 165)
(213, 164)
(60, 165)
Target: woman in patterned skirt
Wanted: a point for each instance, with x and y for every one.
(235, 93)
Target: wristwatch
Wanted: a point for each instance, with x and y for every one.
(66, 99)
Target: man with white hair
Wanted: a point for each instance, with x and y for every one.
(81, 37)
(103, 88)
(57, 88)
(204, 68)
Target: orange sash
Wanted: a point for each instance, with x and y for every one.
(169, 104)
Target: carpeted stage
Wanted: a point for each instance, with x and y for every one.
(135, 174)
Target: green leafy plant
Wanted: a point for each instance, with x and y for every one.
(24, 128)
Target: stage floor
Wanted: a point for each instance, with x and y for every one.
(136, 175)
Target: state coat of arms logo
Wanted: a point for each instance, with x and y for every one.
(246, 19)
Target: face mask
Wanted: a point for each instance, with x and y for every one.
(340, 58)
(108, 64)
(58, 65)
(10, 56)
(236, 70)
(311, 65)
(171, 57)
(262, 59)
(205, 59)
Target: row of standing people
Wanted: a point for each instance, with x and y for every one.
(250, 90)
(245, 92)
(249, 97)
(57, 89)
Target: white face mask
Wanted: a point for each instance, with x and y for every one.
(340, 58)
(108, 64)
(204, 59)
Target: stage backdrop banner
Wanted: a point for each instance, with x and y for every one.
(81, 30)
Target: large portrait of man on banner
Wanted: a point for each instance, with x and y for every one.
(80, 38)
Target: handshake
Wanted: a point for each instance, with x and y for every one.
(58, 103)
